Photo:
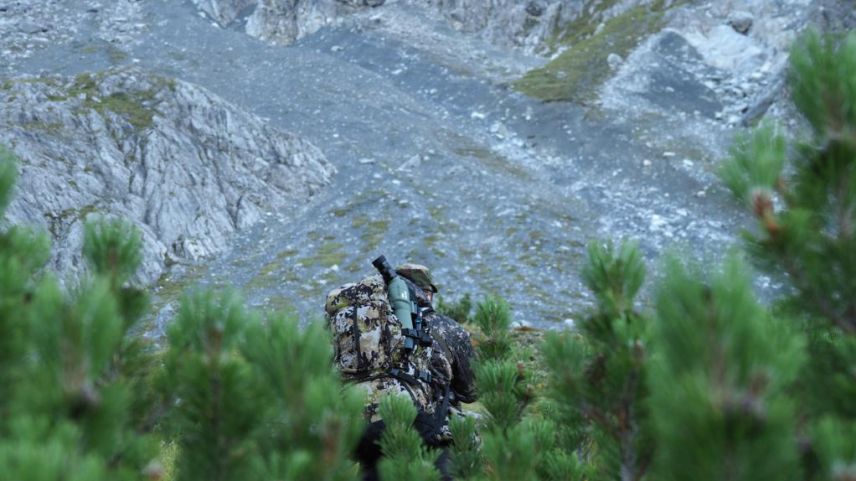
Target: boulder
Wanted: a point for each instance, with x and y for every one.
(741, 21)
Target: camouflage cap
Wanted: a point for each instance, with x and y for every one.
(418, 274)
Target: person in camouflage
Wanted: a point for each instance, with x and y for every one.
(453, 341)
(452, 380)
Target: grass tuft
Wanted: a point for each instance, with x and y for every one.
(578, 72)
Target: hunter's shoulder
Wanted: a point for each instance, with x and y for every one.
(448, 328)
(444, 323)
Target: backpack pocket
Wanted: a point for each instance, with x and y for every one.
(367, 338)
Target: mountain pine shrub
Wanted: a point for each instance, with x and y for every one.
(597, 376)
(460, 310)
(719, 378)
(73, 403)
(803, 194)
(405, 455)
(254, 398)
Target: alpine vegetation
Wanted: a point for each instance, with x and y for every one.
(705, 382)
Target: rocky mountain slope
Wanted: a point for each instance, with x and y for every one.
(489, 140)
(184, 165)
(504, 22)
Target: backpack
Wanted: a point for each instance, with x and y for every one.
(368, 344)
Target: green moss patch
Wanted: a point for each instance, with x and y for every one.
(170, 289)
(329, 254)
(467, 147)
(578, 72)
(373, 231)
(265, 277)
(136, 107)
(51, 128)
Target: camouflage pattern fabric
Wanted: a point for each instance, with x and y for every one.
(453, 344)
(452, 355)
(376, 389)
(368, 343)
(418, 274)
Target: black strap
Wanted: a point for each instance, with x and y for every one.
(355, 333)
(430, 425)
(443, 410)
(421, 375)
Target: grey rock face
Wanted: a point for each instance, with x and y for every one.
(509, 22)
(183, 165)
(27, 26)
(728, 59)
(225, 12)
(834, 15)
(502, 22)
(282, 21)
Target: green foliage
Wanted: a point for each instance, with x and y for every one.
(493, 317)
(209, 384)
(614, 277)
(69, 387)
(405, 455)
(807, 219)
(828, 383)
(512, 456)
(503, 392)
(719, 378)
(8, 174)
(113, 248)
(835, 446)
(254, 399)
(597, 379)
(756, 165)
(517, 442)
(311, 421)
(823, 85)
(466, 456)
(460, 310)
(803, 194)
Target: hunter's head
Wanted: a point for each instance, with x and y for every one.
(420, 276)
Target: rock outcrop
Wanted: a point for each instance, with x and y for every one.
(503, 22)
(527, 24)
(281, 21)
(185, 166)
(721, 63)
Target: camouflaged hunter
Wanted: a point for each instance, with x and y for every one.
(401, 348)
(369, 346)
(427, 357)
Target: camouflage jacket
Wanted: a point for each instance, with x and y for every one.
(453, 344)
(451, 356)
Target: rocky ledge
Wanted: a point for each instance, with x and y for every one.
(281, 21)
(185, 166)
(526, 24)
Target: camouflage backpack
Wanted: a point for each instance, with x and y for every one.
(368, 345)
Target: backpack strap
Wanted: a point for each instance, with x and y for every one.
(443, 410)
(355, 334)
(421, 375)
(430, 426)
